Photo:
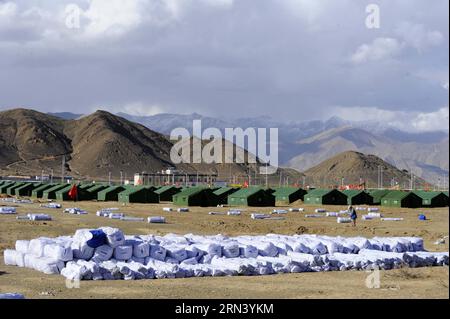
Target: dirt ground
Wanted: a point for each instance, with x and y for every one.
(401, 283)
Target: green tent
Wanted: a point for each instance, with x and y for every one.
(401, 199)
(377, 195)
(223, 193)
(325, 197)
(91, 192)
(358, 197)
(63, 194)
(5, 186)
(288, 195)
(38, 192)
(196, 196)
(252, 196)
(51, 192)
(139, 194)
(166, 193)
(27, 189)
(11, 190)
(110, 194)
(432, 199)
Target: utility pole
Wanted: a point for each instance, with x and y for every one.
(62, 168)
(267, 178)
(51, 177)
(42, 176)
(109, 178)
(121, 177)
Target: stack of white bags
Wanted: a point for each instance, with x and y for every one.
(107, 254)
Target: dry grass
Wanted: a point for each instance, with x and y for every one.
(400, 283)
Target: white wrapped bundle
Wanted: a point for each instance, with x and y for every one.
(211, 249)
(28, 260)
(306, 260)
(141, 250)
(40, 217)
(75, 211)
(259, 216)
(48, 266)
(233, 266)
(344, 212)
(22, 201)
(234, 213)
(375, 215)
(167, 209)
(123, 252)
(58, 252)
(92, 270)
(158, 252)
(176, 252)
(332, 214)
(360, 208)
(74, 271)
(344, 220)
(156, 220)
(103, 253)
(296, 210)
(281, 264)
(8, 210)
(266, 249)
(116, 215)
(314, 216)
(183, 210)
(22, 246)
(132, 219)
(51, 205)
(320, 210)
(315, 246)
(194, 252)
(115, 237)
(368, 217)
(81, 250)
(394, 219)
(11, 295)
(373, 209)
(279, 211)
(9, 257)
(36, 246)
(230, 250)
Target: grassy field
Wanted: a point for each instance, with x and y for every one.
(400, 283)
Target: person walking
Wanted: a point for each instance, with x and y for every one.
(353, 215)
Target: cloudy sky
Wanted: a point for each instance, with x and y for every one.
(289, 59)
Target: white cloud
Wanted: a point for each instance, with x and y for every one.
(8, 9)
(431, 121)
(112, 17)
(135, 108)
(418, 37)
(379, 49)
(403, 120)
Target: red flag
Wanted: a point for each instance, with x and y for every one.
(245, 184)
(73, 193)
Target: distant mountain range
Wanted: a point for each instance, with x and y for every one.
(96, 144)
(303, 145)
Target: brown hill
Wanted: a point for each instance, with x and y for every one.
(355, 166)
(93, 146)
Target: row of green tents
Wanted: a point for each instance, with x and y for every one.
(389, 198)
(232, 196)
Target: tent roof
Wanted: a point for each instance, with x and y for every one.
(319, 192)
(285, 191)
(427, 195)
(397, 195)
